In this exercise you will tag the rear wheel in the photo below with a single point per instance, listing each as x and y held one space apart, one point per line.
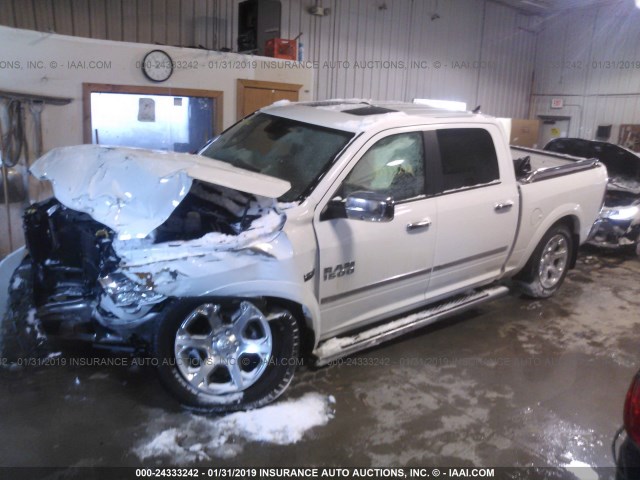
223 356
546 269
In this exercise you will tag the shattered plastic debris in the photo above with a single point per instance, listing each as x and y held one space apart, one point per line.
33 324
17 281
282 423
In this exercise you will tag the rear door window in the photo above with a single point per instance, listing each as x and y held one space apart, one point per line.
468 158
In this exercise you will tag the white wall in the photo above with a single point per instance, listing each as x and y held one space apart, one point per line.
62 125
591 59
469 33
474 51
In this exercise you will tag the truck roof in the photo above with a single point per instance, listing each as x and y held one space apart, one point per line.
358 115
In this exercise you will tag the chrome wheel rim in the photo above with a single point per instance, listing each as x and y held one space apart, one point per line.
553 262
219 355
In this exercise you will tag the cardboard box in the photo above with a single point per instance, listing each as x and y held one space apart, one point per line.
524 133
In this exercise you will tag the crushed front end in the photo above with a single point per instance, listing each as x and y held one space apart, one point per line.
74 272
619 221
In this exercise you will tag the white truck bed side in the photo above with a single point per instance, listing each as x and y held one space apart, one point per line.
545 198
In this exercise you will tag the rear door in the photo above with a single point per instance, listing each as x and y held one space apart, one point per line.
477 209
369 269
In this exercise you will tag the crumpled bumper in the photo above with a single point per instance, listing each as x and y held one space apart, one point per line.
608 233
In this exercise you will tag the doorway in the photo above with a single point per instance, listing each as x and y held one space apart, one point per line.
255 94
552 127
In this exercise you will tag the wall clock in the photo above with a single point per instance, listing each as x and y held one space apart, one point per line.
157 65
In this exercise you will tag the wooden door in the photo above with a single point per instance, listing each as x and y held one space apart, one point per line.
255 94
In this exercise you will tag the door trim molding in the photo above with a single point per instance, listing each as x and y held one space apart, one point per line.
381 283
407 276
472 258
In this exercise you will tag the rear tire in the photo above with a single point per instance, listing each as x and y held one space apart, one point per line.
216 356
546 269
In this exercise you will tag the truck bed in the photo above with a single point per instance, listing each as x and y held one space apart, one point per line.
542 201
545 165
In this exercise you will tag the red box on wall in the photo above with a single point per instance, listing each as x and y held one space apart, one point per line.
281 48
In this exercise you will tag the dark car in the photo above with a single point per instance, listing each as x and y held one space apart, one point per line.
628 456
619 222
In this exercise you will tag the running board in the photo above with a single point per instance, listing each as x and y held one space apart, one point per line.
338 347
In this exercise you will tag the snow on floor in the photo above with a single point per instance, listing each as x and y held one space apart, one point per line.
201 438
582 470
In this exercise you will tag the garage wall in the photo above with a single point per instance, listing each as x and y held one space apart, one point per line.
475 51
465 50
56 65
590 58
60 64
184 23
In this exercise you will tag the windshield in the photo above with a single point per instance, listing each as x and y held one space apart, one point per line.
297 152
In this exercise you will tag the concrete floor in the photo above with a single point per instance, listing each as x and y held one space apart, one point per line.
513 383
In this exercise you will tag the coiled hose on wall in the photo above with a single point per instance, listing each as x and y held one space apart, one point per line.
13 140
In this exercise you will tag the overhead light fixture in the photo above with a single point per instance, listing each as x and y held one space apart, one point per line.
319 11
536 4
444 104
637 3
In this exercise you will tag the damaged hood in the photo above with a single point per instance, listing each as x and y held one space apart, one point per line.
132 190
623 165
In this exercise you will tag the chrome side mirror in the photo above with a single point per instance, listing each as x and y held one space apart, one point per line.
370 207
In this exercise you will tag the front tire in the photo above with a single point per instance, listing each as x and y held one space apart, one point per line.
226 355
548 266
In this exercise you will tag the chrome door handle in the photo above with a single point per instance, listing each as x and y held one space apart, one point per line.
418 225
503 206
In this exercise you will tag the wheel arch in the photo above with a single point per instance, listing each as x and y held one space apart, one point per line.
299 301
301 313
565 215
572 222
530 279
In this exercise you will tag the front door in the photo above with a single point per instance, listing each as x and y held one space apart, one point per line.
368 269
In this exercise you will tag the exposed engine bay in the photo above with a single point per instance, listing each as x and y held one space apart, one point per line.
79 268
207 209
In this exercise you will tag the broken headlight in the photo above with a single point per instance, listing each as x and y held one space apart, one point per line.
624 213
124 292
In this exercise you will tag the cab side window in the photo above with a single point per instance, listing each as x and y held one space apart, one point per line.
468 157
393 166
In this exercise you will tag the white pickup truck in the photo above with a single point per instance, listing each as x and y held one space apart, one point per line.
314 229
